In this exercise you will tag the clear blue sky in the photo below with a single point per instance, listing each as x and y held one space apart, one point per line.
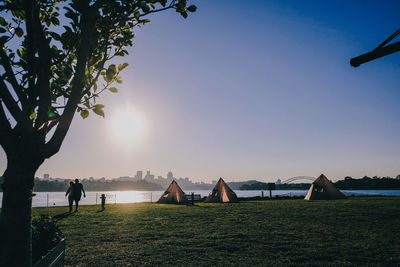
251 89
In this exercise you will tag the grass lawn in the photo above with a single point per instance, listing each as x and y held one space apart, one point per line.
355 231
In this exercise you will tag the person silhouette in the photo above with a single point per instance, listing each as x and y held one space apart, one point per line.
77 190
70 196
103 201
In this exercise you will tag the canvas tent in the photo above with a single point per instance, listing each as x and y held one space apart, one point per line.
221 193
173 195
322 188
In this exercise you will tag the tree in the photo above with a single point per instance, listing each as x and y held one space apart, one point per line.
55 61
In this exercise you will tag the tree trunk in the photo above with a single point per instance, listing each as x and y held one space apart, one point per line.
15 218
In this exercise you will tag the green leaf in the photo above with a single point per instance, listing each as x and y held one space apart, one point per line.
113 90
19 32
110 73
109 76
118 79
84 114
2 30
51 114
3 40
122 66
192 8
98 111
3 21
32 116
184 14
55 36
144 6
113 68
137 14
19 52
99 106
55 21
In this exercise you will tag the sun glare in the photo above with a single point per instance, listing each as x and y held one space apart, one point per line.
128 125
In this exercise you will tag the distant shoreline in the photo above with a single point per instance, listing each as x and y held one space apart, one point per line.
48 199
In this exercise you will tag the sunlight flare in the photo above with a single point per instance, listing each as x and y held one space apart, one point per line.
128 125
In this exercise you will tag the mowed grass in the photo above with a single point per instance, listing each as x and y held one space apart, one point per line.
355 231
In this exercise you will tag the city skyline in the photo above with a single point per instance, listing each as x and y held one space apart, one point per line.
138 176
150 177
272 97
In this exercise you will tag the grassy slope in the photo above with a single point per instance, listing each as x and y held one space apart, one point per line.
356 231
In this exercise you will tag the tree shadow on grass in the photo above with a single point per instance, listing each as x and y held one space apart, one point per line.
201 206
61 216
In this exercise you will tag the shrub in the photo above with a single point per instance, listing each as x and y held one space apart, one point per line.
45 236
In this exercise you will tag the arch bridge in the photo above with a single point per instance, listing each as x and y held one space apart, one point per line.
290 180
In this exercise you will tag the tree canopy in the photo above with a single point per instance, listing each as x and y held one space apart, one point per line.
55 61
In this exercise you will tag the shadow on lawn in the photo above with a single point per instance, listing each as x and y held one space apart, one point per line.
201 206
61 216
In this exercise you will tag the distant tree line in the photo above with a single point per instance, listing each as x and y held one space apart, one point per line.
348 183
264 186
365 183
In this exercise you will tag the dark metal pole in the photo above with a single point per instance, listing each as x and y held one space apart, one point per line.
374 54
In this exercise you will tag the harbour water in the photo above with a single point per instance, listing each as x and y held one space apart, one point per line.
44 199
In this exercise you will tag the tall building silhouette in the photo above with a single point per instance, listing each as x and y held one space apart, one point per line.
139 175
149 177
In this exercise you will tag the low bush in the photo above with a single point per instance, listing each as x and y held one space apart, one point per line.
45 236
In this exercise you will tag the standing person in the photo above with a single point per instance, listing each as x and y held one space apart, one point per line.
103 201
77 190
70 195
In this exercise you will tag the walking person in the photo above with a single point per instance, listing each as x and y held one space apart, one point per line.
70 196
77 190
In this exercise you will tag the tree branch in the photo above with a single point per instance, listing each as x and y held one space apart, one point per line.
5 62
99 72
171 5
51 125
9 102
97 5
42 86
9 6
87 25
30 47
5 130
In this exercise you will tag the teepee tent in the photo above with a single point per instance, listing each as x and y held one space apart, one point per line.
221 193
173 195
322 188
